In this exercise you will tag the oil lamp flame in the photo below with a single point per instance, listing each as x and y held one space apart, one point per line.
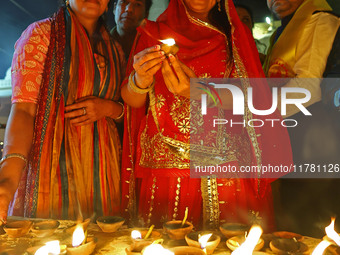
319 250
251 241
203 240
78 236
169 42
135 234
156 249
332 234
52 247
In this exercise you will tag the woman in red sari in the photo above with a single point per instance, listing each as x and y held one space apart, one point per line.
156 178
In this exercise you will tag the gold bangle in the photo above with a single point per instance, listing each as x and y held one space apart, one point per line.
122 114
133 86
13 155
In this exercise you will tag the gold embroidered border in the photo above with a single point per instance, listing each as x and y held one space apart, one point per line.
211 207
178 190
153 190
242 73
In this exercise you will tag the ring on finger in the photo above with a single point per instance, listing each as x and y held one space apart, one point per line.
84 111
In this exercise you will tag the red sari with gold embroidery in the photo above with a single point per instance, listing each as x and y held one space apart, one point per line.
156 178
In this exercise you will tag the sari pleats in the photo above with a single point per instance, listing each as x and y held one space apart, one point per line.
73 170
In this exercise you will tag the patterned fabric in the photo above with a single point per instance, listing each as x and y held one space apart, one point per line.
154 158
28 61
71 169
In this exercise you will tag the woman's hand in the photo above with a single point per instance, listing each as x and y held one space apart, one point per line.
90 109
146 64
177 79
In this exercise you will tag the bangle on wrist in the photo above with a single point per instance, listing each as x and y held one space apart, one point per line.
133 86
13 155
122 114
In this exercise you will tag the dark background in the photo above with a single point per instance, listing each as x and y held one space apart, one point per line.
16 15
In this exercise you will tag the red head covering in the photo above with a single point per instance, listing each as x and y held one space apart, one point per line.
200 47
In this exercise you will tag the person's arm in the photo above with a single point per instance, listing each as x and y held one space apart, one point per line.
312 52
146 64
18 139
27 70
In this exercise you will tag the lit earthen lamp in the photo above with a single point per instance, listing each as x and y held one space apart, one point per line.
251 243
207 242
169 46
331 240
142 238
52 247
156 249
81 245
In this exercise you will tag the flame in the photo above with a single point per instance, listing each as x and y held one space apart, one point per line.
251 241
78 236
332 234
158 249
135 234
321 248
203 240
169 41
52 247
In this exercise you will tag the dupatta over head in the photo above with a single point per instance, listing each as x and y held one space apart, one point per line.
201 46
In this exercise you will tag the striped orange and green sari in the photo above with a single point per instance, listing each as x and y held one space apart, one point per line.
73 168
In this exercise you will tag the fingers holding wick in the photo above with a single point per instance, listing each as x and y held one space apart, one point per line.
169 76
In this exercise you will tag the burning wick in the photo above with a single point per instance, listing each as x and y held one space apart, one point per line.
52 247
135 234
78 236
156 249
332 234
319 250
169 46
169 42
203 241
251 241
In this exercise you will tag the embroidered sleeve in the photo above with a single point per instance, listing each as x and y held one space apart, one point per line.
28 62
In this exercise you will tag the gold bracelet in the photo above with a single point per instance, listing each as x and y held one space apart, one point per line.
13 155
133 86
122 114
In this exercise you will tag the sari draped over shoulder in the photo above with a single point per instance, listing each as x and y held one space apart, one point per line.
155 172
73 168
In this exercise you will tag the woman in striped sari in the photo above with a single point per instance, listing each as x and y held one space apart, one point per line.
62 149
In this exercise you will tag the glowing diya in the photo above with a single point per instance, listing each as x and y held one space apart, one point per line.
169 46
196 239
81 244
52 247
70 230
142 238
242 245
